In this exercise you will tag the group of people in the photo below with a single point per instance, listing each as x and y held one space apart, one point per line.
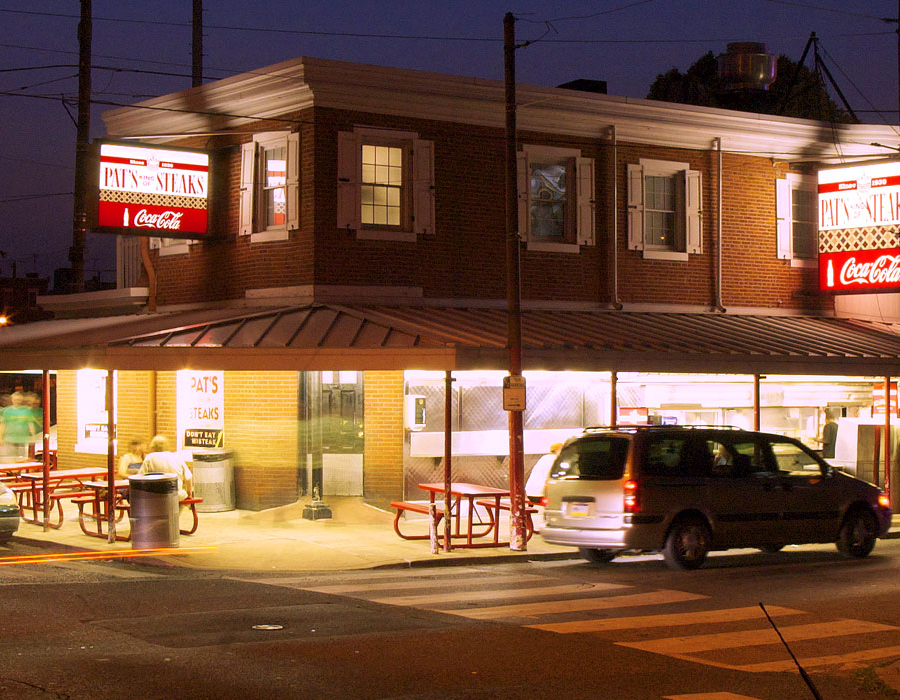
154 458
21 423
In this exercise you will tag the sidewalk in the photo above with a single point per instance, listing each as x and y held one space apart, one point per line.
357 537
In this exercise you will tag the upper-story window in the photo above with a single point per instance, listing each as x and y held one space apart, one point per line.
556 198
664 209
385 184
797 220
270 192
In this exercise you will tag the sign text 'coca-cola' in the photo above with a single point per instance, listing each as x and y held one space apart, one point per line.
860 270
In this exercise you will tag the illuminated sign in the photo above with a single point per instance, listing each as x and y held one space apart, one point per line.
152 191
200 398
859 224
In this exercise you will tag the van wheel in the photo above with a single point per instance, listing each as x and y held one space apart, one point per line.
598 556
687 544
771 548
858 534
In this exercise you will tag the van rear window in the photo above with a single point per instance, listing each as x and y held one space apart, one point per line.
596 458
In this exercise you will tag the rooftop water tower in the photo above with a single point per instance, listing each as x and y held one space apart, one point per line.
745 65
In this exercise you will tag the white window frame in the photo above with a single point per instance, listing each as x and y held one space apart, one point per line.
581 190
689 200
252 186
417 196
784 204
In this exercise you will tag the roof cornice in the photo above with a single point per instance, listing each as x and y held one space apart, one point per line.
285 88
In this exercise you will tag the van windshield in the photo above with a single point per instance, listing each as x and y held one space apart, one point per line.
595 458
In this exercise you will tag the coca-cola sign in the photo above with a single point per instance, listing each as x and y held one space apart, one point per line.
860 270
151 190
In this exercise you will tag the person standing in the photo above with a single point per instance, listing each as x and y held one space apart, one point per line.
161 459
829 436
17 426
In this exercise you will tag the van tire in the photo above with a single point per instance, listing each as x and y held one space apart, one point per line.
598 556
687 544
858 533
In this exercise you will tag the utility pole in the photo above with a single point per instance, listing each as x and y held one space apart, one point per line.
197 45
513 299
82 144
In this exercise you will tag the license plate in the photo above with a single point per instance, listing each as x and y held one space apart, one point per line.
578 510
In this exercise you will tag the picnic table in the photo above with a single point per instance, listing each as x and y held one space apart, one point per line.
71 481
97 502
467 501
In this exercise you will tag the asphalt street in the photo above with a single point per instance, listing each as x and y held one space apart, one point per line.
632 629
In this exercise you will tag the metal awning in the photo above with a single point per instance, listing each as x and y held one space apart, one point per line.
333 336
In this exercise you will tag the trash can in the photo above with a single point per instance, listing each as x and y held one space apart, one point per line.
154 510
214 480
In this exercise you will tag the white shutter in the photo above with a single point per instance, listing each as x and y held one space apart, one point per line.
635 207
584 173
292 188
248 187
423 186
783 219
522 179
693 214
348 202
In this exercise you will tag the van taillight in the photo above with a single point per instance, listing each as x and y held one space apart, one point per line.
631 503
543 501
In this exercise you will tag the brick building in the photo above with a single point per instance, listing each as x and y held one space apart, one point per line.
356 255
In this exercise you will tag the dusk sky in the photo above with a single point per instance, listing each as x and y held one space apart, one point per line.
625 42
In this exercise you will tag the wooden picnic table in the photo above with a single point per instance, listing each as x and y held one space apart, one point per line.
491 499
97 501
72 479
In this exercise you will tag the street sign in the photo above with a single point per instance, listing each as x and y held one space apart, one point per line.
514 393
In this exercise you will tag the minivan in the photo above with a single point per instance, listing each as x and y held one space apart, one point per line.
687 490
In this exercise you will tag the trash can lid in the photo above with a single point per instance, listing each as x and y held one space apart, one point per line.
212 455
154 482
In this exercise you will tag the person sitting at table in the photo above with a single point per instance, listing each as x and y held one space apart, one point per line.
161 459
130 462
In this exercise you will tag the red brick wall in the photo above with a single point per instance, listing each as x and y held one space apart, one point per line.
465 257
383 451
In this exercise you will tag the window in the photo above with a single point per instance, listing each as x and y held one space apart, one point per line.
664 209
797 220
270 178
556 198
385 184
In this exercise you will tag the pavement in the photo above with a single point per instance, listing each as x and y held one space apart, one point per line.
358 536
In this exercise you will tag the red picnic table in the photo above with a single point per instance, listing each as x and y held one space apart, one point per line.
70 479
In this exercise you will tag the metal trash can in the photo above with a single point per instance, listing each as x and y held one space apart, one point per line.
154 510
214 480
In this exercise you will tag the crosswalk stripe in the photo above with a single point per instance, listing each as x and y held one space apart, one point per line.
470 596
668 620
681 646
709 696
660 597
810 662
419 583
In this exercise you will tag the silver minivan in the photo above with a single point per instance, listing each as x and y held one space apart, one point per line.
687 490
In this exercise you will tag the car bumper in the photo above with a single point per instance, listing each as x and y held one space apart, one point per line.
593 539
9 523
884 516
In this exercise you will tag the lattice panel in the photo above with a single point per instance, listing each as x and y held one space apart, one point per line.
157 200
867 238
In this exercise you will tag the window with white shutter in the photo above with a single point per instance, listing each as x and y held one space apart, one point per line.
385 184
665 209
796 220
269 197
555 198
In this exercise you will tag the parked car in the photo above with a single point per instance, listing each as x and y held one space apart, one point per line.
9 514
688 490
535 484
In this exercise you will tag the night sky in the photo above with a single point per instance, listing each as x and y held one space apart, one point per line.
625 42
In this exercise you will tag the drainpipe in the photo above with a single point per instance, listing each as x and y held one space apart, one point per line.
614 252
151 274
718 303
